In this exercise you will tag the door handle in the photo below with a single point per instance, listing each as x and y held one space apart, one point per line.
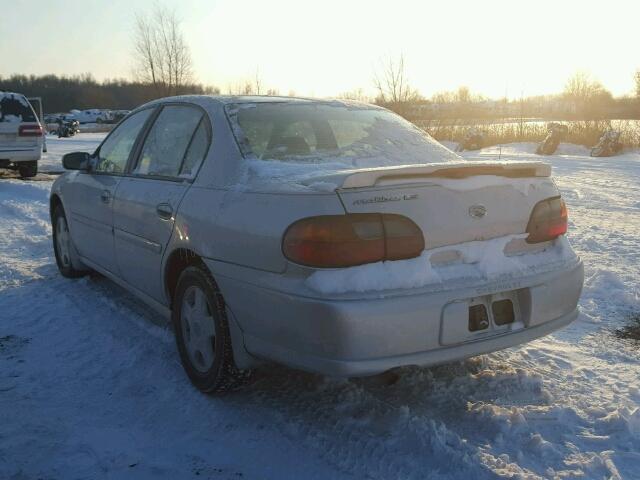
105 196
164 211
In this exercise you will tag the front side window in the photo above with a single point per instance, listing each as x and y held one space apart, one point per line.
168 141
331 133
114 152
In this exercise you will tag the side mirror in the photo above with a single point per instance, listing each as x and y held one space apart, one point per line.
76 161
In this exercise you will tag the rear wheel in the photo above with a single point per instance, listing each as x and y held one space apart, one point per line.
63 247
28 169
202 333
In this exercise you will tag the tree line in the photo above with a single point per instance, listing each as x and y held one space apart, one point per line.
63 93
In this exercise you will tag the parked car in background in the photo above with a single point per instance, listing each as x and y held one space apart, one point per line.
118 115
86 116
21 136
329 236
51 118
67 128
53 122
105 116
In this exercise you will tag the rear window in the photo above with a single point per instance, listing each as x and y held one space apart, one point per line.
330 132
15 108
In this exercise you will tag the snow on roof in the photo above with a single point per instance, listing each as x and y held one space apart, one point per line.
15 96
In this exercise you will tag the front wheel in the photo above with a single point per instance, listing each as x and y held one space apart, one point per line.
63 247
28 169
202 333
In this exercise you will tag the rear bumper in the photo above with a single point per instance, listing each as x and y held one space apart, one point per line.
27 154
359 337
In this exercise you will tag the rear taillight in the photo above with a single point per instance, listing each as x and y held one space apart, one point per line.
548 220
30 131
334 241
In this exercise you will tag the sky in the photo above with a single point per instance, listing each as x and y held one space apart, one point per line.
326 47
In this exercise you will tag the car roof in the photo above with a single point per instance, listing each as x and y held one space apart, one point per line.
253 99
6 93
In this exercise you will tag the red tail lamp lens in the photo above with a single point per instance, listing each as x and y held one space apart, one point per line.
334 241
30 131
548 220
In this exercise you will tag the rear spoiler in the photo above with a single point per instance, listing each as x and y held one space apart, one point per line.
454 170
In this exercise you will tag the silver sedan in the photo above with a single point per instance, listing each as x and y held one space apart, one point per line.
329 236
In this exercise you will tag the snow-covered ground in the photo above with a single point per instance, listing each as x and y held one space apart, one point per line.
91 385
57 147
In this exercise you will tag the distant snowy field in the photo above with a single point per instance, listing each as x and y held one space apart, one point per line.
91 386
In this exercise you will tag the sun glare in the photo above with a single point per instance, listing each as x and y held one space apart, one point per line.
496 48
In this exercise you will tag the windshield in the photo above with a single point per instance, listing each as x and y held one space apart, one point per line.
336 133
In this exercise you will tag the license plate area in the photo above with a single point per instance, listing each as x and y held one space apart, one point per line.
478 317
503 312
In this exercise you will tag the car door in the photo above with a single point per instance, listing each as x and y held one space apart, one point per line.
147 200
89 197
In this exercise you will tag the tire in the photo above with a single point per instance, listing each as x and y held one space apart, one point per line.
28 169
65 251
202 333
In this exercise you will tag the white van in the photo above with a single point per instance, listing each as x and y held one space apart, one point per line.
21 136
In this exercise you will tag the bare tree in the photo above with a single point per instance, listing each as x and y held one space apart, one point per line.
588 96
161 54
462 95
636 79
357 94
392 83
582 87
249 86
257 82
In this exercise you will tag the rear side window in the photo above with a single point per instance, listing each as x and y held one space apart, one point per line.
196 151
15 108
168 141
115 151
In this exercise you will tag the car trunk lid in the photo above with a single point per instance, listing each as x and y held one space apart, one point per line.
454 202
